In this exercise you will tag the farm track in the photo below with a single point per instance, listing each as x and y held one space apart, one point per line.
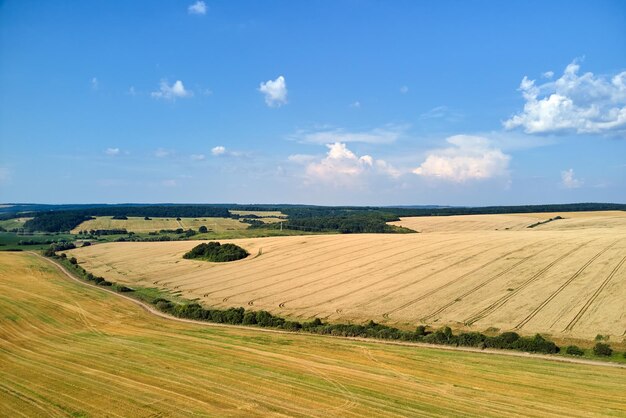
500 302
162 315
453 281
480 286
593 297
563 286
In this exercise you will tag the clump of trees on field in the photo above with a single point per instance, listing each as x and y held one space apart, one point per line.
214 251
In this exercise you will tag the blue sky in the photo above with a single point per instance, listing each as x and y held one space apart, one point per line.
318 102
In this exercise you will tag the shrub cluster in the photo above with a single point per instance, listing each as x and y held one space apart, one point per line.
214 251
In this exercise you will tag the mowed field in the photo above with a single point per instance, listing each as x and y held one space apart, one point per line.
71 350
139 224
566 278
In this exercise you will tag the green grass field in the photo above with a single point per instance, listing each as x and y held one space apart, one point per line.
13 223
70 350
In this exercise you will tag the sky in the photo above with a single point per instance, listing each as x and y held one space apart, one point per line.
313 102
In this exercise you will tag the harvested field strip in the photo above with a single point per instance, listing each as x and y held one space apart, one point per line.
254 273
393 250
326 267
128 363
593 297
352 279
480 286
454 281
563 286
428 276
497 304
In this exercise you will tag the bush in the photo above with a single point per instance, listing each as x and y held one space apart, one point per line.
203 229
573 350
249 318
214 251
73 260
601 349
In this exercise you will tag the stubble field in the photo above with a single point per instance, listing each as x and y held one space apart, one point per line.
566 278
71 350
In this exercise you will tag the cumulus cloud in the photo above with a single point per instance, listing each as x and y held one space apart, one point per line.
94 83
112 151
197 157
583 104
198 8
173 92
469 158
342 166
569 180
219 150
384 135
275 92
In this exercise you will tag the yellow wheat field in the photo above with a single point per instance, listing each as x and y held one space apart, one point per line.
139 224
67 349
566 278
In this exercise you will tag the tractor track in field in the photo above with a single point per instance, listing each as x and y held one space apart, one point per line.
162 315
282 304
390 247
429 275
365 274
280 273
593 297
453 281
562 287
500 302
480 286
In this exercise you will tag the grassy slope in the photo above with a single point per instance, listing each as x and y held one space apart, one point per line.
68 349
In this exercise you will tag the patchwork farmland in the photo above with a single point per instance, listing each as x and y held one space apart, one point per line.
67 349
566 277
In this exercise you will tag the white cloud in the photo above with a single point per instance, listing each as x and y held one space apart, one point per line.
275 92
548 74
94 83
442 112
162 153
469 158
197 157
342 167
132 91
583 104
569 180
356 104
112 151
404 89
198 8
173 92
384 135
219 150
301 158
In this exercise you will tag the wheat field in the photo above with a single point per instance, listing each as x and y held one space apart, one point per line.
565 278
67 349
139 224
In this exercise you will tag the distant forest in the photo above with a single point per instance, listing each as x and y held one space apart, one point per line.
343 219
